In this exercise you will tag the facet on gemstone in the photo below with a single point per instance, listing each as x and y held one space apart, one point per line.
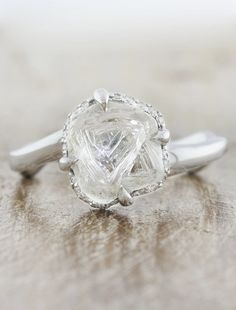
113 149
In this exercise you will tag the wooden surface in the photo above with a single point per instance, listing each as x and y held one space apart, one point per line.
174 249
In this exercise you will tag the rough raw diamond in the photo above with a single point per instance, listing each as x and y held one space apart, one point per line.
114 148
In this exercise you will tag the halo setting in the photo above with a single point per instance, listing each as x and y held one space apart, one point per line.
115 148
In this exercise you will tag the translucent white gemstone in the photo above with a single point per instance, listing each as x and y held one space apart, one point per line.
113 148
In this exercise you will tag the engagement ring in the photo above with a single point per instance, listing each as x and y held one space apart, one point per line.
115 148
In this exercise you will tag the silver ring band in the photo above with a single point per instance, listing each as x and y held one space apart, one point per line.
187 154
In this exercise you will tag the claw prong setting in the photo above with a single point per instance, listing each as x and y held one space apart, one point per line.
65 163
101 95
164 136
124 197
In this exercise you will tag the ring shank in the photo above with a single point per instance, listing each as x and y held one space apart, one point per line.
195 151
29 159
186 155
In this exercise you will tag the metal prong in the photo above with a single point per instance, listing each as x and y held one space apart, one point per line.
65 163
124 197
102 97
163 136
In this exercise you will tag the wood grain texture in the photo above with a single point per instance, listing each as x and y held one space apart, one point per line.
174 249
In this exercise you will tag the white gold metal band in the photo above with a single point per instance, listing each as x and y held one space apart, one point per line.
186 155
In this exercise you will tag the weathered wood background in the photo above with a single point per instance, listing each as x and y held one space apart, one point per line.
174 249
